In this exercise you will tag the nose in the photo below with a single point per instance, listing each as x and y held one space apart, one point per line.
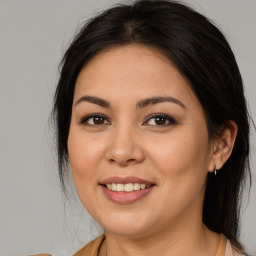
124 148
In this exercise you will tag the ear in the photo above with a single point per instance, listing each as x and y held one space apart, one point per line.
222 146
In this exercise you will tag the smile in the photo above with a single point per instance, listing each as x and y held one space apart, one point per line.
129 187
126 190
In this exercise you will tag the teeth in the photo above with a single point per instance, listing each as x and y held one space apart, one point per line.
136 186
109 186
129 187
142 186
119 187
113 187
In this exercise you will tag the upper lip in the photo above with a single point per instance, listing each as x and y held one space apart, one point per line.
125 180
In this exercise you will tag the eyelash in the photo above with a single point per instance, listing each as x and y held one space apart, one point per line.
86 118
168 118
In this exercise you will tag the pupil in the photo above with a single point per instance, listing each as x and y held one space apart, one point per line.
98 120
160 120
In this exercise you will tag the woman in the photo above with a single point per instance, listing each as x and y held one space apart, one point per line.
151 115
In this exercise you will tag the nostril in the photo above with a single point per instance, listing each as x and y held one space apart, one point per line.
130 160
122 161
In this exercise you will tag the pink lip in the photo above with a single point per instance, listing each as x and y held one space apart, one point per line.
125 180
126 197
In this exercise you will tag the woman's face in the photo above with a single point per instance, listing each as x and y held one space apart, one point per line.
136 121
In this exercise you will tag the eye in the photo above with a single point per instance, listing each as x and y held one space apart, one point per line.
160 120
95 120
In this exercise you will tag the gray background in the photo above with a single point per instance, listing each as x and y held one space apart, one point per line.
34 216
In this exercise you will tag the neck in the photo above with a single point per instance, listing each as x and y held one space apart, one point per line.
191 238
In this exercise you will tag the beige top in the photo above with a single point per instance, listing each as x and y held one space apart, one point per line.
92 248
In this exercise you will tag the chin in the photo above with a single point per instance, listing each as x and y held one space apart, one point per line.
126 224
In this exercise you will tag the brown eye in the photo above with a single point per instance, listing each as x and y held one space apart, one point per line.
160 120
95 120
98 120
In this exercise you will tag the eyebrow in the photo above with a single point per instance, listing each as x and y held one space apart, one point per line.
139 105
94 100
154 100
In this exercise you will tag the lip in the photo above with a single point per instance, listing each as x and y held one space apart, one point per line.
125 180
126 197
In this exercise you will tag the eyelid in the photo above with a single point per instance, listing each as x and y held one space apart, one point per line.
171 120
85 118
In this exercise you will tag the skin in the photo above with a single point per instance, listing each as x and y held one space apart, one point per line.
176 156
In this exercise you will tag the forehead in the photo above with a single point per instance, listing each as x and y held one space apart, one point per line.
132 71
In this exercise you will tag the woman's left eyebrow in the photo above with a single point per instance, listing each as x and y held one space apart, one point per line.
154 100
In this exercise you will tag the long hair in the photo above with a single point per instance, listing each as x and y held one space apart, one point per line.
203 56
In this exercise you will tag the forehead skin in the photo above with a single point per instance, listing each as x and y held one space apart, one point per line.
117 63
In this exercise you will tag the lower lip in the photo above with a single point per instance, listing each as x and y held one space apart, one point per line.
126 197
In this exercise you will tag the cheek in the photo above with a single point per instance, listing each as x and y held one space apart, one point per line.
85 152
182 167
85 156
182 158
